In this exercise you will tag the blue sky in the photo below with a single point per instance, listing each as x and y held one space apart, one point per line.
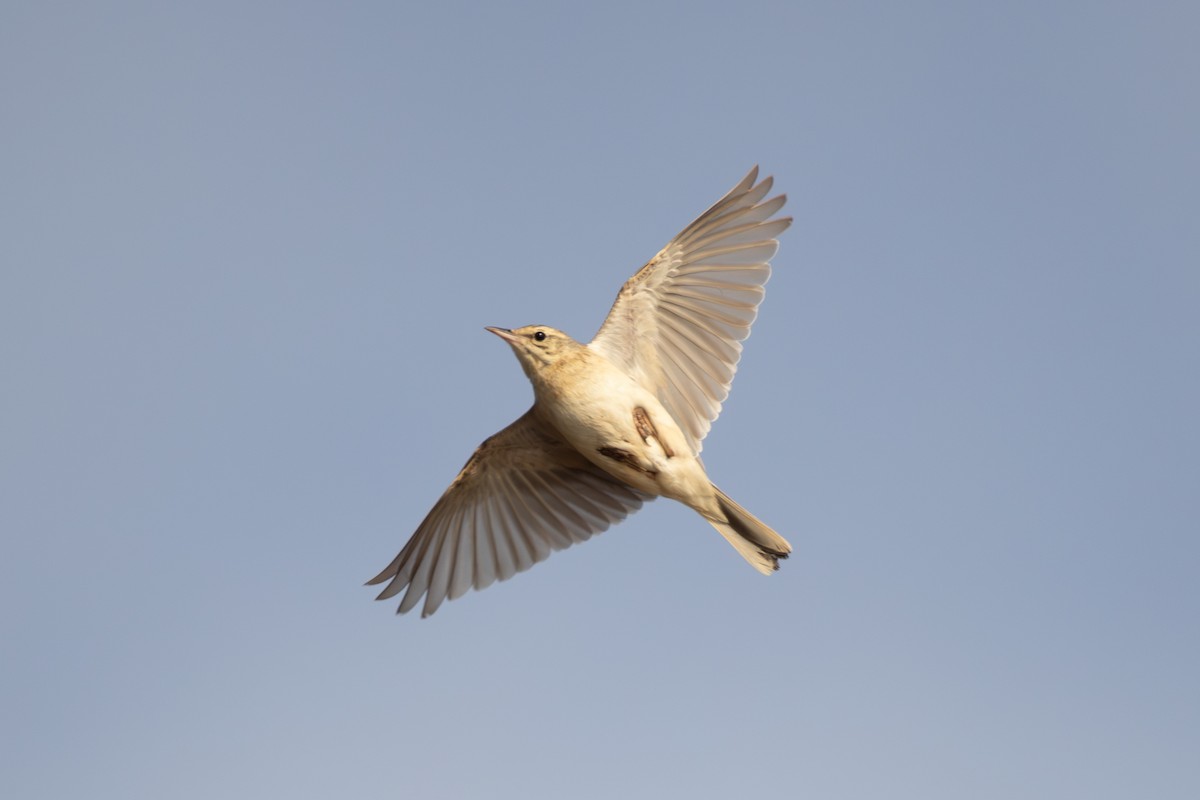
246 255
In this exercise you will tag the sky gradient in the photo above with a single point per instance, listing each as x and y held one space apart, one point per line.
247 252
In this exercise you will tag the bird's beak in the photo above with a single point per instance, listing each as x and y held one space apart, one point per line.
503 333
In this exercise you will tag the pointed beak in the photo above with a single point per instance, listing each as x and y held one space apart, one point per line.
503 333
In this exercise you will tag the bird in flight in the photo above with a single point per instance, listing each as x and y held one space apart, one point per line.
615 422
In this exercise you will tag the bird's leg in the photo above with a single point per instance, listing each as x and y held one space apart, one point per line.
628 459
647 431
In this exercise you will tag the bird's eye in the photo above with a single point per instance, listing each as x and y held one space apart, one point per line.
539 336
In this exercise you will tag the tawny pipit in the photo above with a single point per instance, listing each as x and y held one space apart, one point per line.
614 423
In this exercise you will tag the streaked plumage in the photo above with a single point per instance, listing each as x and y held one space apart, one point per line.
615 422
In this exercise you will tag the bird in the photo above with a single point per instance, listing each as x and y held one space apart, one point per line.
615 422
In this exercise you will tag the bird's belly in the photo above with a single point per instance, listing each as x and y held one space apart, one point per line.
623 429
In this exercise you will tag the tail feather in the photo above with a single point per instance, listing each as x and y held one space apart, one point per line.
750 536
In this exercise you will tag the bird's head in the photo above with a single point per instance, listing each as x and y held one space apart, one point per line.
538 346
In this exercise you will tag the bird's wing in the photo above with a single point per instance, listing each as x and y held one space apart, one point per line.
523 493
678 324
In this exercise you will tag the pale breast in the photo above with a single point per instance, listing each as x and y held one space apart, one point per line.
615 423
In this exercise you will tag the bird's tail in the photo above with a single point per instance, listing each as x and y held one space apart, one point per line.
757 543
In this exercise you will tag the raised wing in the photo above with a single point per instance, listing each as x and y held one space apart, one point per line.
678 324
523 494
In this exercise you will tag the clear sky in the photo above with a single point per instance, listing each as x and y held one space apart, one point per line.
247 252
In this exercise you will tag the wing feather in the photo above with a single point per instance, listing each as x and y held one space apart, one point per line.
501 539
464 561
523 494
486 564
678 324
